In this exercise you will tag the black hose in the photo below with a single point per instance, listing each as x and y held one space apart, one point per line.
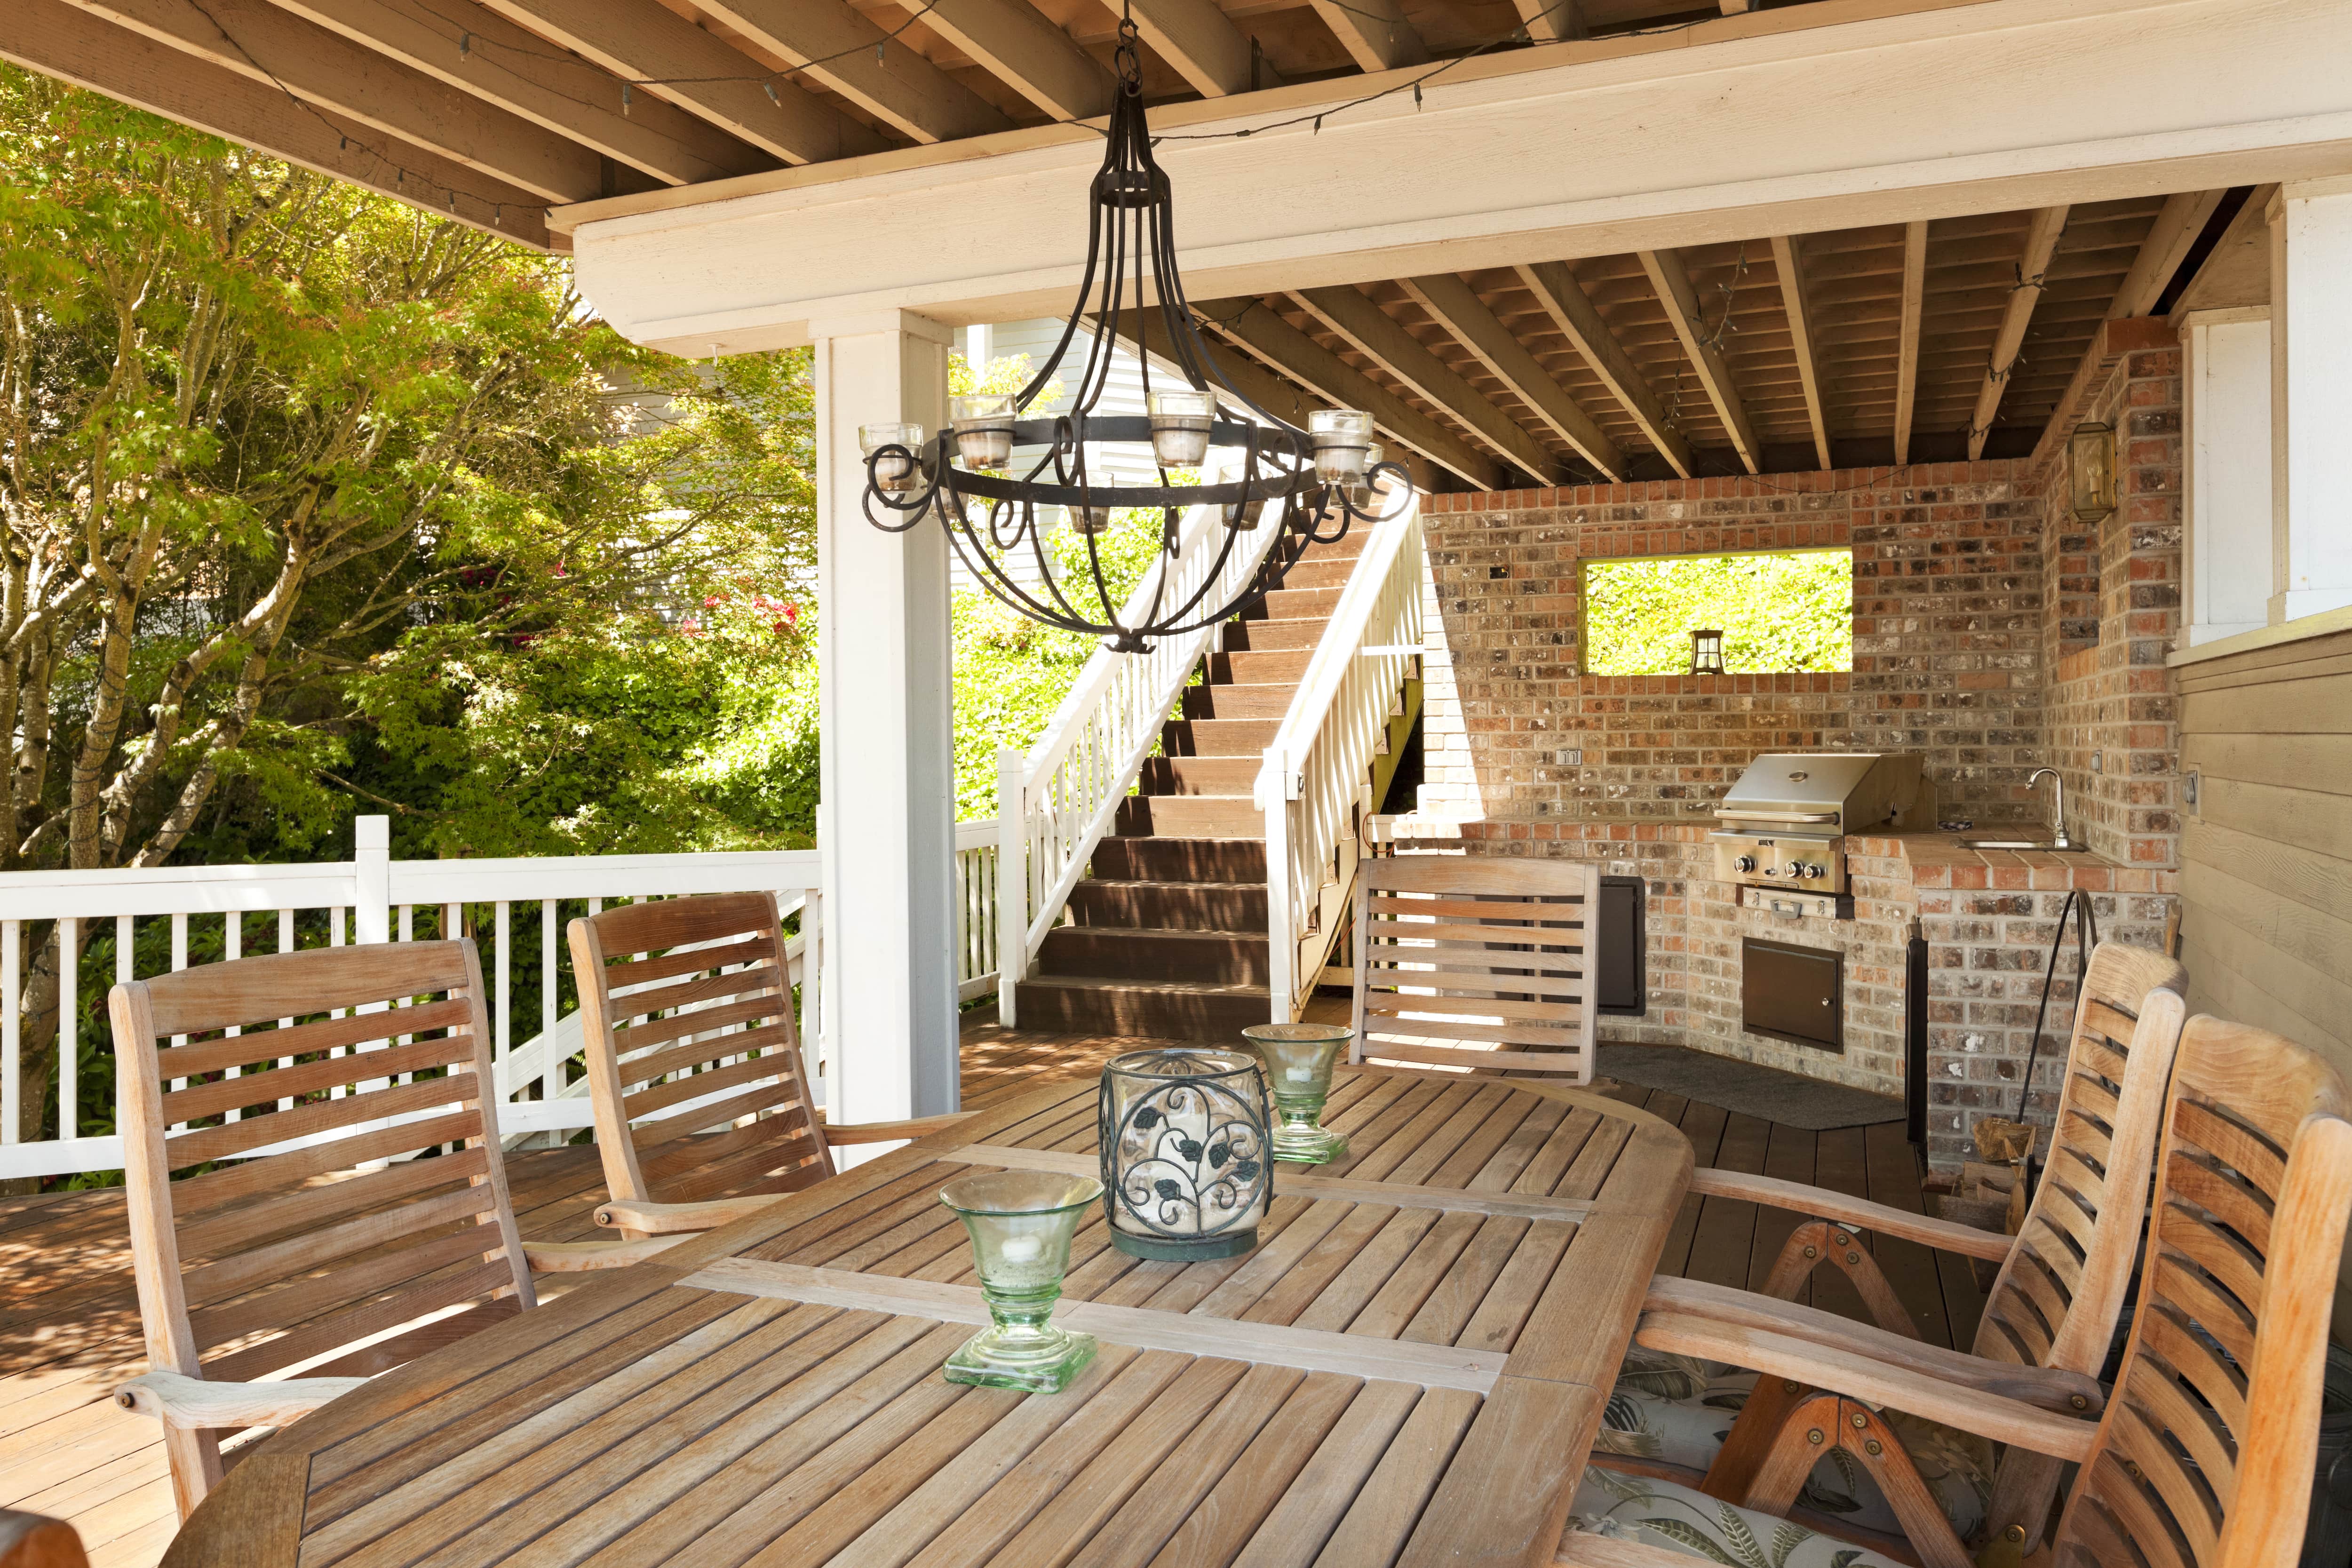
2086 937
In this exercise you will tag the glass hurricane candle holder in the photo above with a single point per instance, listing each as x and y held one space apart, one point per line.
1182 1131
1343 444
1021 1222
983 423
1298 1060
1180 427
1089 519
895 472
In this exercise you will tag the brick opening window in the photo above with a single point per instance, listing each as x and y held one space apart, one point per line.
1778 610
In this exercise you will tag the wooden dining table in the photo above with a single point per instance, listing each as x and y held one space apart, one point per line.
1409 1368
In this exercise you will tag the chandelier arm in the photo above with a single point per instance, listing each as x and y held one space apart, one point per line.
1176 316
998 582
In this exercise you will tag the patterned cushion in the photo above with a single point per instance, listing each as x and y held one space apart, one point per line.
1679 1409
1685 1519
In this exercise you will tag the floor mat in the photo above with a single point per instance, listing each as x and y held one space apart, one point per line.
1744 1087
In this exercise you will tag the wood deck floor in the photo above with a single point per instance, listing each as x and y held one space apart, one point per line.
69 1318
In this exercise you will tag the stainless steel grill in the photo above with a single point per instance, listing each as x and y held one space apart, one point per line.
1783 824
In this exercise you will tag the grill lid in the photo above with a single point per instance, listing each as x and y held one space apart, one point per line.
1837 792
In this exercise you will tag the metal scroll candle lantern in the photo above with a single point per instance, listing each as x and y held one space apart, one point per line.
1185 1166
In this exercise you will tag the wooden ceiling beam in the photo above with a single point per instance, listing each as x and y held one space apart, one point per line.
1375 33
1786 263
2032 267
701 74
2178 224
1202 42
503 64
1672 281
1378 335
54 38
897 86
1558 291
1252 325
279 50
1015 43
1456 307
1551 21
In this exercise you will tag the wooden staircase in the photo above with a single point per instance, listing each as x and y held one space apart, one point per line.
1166 935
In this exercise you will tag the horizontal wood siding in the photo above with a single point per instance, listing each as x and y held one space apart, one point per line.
2266 853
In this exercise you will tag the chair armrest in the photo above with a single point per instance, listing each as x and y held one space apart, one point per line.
1861 1378
890 1132
192 1403
580 1257
1579 1549
666 1219
2066 1393
1817 1203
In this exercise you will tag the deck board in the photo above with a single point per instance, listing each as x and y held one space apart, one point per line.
69 1320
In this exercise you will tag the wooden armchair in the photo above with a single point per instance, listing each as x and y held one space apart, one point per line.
2205 1456
1477 962
2047 1323
346 1205
703 1110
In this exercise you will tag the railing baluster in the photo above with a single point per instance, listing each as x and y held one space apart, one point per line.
178 962
284 944
12 1077
549 1076
502 1032
68 1027
233 948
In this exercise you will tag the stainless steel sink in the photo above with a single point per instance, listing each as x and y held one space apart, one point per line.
2022 844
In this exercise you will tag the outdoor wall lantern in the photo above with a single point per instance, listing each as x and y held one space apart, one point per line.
1186 1170
1707 652
2091 469
1316 482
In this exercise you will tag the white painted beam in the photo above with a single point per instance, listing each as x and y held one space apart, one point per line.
1779 129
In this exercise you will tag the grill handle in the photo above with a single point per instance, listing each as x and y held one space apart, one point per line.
1778 816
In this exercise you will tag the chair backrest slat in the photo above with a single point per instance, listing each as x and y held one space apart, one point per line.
1477 961
693 1050
2058 1297
2206 1452
352 1205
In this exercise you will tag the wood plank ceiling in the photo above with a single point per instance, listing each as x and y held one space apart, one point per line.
1785 352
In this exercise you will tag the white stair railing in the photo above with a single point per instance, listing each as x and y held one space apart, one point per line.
1056 804
1316 782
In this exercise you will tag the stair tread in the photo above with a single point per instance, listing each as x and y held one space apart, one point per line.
1181 987
1154 933
1169 882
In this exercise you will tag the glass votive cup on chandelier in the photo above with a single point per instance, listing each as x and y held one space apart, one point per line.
1298 1061
894 473
1021 1222
1182 1132
1180 427
983 423
1343 444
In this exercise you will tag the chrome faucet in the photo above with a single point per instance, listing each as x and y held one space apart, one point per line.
2060 841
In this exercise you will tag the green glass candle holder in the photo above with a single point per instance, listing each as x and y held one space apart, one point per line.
1021 1222
1298 1060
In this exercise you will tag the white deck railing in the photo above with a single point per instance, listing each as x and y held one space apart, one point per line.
1054 804
1315 784
375 897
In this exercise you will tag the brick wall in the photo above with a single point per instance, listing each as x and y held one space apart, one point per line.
2113 733
1949 587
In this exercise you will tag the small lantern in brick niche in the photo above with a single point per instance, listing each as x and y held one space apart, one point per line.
1707 652
1186 1171
2091 471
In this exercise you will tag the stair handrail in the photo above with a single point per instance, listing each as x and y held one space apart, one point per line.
1054 804
1312 783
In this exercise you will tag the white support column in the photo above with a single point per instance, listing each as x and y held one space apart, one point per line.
2226 376
887 816
2311 345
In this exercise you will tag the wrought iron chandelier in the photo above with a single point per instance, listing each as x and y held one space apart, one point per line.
1311 484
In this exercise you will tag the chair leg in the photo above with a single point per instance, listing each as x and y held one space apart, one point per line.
1818 1241
195 1463
2023 1491
1760 1424
1816 1423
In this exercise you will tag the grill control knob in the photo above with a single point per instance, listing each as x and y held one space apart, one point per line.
1745 865
1814 870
